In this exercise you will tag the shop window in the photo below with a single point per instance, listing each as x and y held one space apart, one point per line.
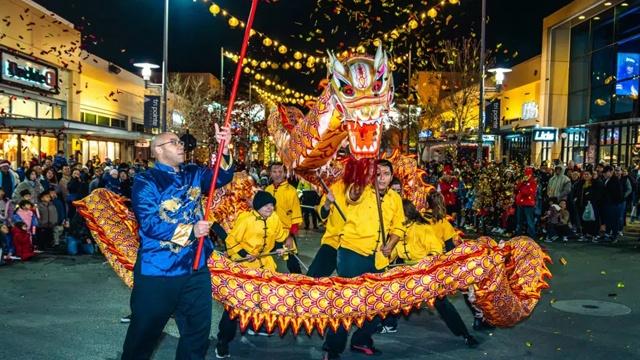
89 118
580 40
104 120
117 123
45 111
600 102
602 30
4 105
58 112
578 74
578 107
137 127
627 20
23 107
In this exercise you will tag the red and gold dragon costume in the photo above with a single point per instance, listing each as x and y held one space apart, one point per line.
506 278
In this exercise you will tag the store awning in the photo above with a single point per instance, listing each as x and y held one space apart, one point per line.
73 127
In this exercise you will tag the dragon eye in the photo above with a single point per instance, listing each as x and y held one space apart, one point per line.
377 86
348 90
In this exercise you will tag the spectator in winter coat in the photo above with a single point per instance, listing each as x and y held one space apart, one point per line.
61 210
448 186
589 193
9 179
59 160
112 182
98 179
613 197
21 239
47 222
559 185
6 208
79 239
526 202
78 189
30 183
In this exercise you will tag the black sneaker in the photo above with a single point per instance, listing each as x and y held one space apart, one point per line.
366 350
222 352
125 319
479 324
471 341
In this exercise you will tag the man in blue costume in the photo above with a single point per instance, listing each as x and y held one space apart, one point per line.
167 202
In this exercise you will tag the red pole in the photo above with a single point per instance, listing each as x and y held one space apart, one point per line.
227 120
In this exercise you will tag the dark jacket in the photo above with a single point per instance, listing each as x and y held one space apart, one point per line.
613 194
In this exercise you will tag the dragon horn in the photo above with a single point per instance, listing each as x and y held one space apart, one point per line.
380 59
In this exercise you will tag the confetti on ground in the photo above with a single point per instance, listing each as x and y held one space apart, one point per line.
529 344
563 261
620 284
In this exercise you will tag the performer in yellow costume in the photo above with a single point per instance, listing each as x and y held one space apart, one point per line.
254 235
325 261
288 210
418 243
365 248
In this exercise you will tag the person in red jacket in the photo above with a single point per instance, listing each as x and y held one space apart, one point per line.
22 241
526 191
448 186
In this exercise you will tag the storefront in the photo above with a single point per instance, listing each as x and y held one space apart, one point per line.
546 137
619 144
574 145
516 146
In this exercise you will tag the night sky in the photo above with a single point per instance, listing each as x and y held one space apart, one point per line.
128 31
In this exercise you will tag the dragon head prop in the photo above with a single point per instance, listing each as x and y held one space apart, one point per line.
362 88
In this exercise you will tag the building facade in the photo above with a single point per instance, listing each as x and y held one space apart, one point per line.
591 67
55 96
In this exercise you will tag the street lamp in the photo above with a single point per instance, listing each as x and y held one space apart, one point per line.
499 76
146 69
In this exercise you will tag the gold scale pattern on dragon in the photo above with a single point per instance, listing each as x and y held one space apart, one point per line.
507 279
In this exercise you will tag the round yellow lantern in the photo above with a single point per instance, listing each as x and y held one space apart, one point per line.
233 22
432 13
413 24
214 9
267 42
297 55
282 49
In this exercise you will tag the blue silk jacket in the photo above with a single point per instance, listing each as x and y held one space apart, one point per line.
167 204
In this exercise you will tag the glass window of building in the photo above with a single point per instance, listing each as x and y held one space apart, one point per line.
4 104
45 110
104 120
23 107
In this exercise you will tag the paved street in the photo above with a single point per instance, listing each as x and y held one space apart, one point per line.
61 307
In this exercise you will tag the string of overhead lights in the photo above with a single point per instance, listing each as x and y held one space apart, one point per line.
272 99
413 23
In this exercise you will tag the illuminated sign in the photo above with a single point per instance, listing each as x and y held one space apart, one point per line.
545 134
529 110
488 138
24 72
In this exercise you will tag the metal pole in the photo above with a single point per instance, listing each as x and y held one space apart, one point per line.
165 64
221 74
482 59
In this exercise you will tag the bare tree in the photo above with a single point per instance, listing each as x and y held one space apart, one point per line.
458 61
193 97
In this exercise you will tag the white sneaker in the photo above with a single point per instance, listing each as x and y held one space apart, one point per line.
565 239
251 332
222 356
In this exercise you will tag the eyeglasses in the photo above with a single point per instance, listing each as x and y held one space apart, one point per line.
174 142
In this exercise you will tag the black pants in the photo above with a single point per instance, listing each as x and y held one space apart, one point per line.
44 238
324 263
447 312
293 265
352 264
310 213
227 329
154 299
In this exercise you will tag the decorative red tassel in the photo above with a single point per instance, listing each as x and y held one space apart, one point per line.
361 172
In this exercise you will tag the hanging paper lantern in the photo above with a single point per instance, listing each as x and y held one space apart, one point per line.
288 91
282 49
233 22
246 70
268 82
258 77
285 66
297 55
254 63
267 42
297 65
377 42
274 66
413 24
432 13
453 2
214 9
263 64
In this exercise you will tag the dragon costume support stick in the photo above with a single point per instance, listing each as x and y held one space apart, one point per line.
326 189
227 120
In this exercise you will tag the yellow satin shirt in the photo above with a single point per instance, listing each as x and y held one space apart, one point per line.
418 242
287 204
361 233
334 221
256 236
